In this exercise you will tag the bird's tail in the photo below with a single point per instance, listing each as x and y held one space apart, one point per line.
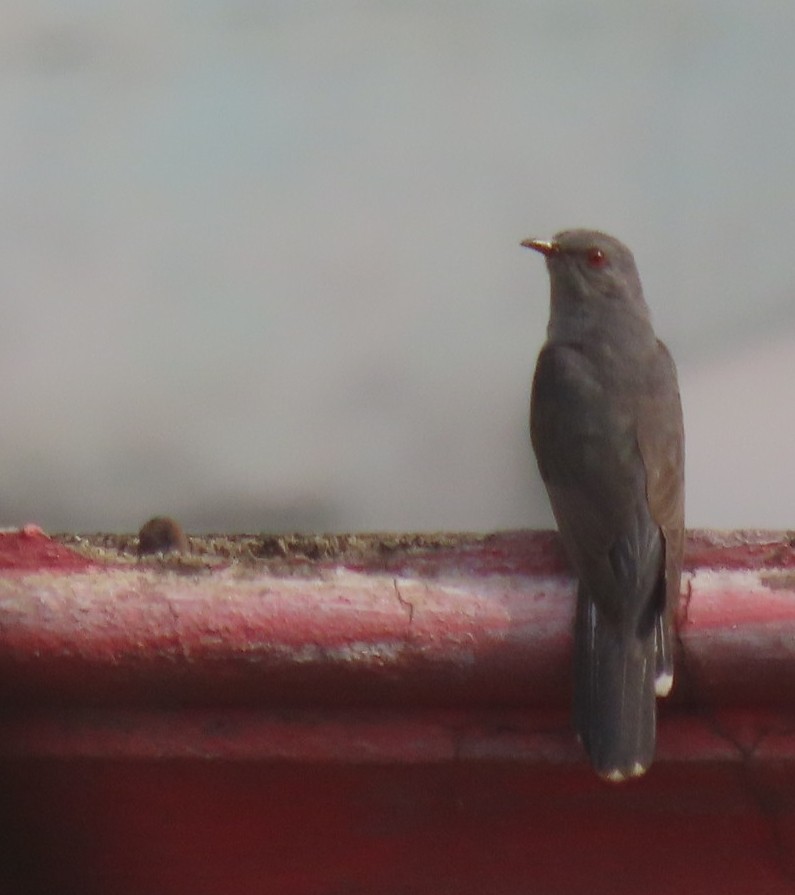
664 676
614 692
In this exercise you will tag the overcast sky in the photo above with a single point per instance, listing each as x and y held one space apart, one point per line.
260 264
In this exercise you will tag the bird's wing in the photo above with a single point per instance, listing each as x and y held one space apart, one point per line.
661 441
587 452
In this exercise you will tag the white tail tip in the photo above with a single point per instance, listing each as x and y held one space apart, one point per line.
663 684
618 776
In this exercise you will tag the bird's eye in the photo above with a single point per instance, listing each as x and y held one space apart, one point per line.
596 257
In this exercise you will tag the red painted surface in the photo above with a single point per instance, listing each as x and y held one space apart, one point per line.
29 549
400 726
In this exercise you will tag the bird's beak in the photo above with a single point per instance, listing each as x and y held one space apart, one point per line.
547 248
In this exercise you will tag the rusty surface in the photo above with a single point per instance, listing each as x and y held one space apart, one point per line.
377 714
412 620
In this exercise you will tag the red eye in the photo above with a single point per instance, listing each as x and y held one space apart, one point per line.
596 257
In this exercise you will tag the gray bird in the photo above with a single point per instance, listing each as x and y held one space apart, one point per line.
606 427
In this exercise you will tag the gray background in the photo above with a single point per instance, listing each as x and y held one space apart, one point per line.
259 262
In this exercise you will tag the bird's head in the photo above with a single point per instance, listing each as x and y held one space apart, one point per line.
593 280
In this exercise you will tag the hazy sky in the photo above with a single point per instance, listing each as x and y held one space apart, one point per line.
260 262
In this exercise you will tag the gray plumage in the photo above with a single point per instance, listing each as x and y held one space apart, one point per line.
606 428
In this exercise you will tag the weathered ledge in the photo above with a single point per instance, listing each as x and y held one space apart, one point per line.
460 630
377 714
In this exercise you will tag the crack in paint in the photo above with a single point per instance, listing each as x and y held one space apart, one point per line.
406 604
182 646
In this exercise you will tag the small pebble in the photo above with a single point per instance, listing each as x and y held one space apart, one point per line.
161 534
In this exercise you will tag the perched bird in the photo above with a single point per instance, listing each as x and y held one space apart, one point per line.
606 428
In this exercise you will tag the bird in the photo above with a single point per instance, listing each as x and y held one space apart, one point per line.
607 431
